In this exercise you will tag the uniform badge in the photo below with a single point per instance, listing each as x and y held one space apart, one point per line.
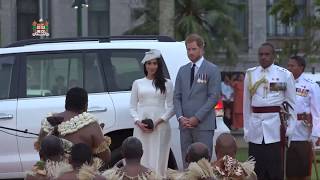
302 92
278 86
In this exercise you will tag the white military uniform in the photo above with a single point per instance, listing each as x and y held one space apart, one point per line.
307 101
259 126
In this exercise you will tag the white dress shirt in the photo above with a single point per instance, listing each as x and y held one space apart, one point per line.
259 126
198 64
308 101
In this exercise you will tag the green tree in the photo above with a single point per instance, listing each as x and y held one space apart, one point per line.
209 18
150 13
286 11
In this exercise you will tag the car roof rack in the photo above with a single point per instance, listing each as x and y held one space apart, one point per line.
101 39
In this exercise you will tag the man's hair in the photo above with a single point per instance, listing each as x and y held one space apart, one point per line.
300 61
196 152
226 145
270 45
195 38
80 154
76 99
51 146
132 148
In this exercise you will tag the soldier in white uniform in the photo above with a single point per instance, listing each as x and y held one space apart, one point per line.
299 155
266 87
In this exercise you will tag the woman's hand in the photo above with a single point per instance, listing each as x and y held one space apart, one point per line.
143 127
159 121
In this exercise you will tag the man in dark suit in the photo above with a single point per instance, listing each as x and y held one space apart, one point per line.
197 91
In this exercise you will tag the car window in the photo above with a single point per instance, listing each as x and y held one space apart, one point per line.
6 69
123 66
54 74
93 81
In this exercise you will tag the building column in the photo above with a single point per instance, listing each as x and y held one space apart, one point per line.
63 19
8 22
257 26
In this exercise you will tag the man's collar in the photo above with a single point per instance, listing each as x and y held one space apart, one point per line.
299 78
266 69
199 62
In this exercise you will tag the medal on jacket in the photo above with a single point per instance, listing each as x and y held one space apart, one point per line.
202 78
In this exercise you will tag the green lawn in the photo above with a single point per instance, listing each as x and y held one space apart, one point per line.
242 155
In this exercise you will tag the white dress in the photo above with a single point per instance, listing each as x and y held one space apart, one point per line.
146 102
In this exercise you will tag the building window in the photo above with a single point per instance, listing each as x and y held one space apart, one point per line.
27 12
276 28
98 18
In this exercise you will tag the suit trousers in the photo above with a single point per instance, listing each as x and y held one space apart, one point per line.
192 135
269 160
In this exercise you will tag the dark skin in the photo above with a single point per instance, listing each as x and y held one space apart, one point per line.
266 56
296 71
133 167
225 145
92 137
74 174
198 148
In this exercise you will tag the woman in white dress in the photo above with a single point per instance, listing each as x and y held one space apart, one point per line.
152 98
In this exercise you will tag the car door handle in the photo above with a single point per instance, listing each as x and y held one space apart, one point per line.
4 116
97 109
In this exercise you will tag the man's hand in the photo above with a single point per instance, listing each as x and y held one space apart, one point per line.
184 122
143 127
193 122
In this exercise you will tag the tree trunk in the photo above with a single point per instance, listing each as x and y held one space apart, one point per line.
166 17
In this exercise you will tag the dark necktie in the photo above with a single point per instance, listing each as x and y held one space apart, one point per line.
192 74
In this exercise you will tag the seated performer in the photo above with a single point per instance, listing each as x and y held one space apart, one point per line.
226 165
132 170
84 166
75 125
199 166
53 162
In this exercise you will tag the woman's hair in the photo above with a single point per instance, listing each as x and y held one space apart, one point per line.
76 99
159 79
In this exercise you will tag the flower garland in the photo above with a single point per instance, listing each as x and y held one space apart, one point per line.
70 126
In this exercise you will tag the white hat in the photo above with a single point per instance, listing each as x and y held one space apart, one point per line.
152 54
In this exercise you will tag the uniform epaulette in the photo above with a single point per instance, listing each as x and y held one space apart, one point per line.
282 69
309 80
251 69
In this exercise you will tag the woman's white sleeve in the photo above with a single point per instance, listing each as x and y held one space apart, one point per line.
134 102
169 101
